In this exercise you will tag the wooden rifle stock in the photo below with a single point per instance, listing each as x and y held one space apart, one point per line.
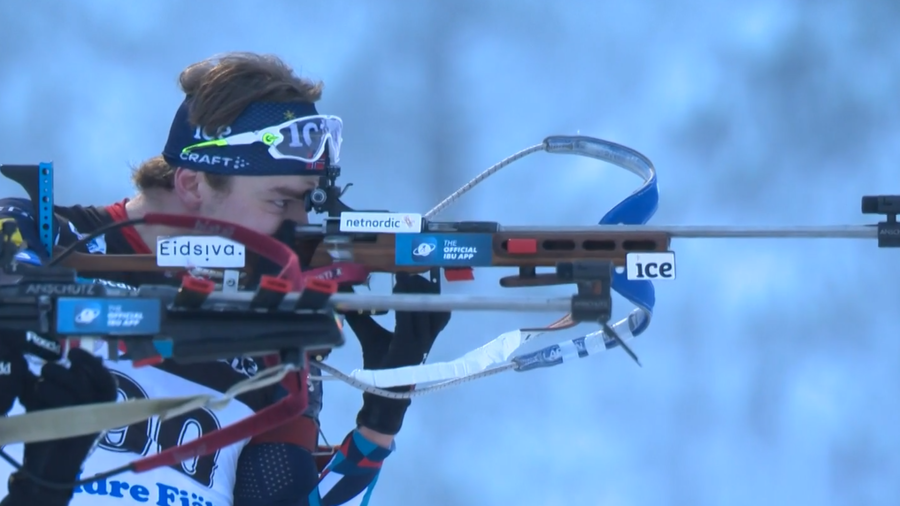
376 253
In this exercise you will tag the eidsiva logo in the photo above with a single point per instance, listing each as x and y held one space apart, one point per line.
200 251
382 223
423 248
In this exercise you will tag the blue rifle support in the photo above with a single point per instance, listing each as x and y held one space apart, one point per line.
45 206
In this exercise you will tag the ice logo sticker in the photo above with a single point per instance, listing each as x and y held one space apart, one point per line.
651 266
424 248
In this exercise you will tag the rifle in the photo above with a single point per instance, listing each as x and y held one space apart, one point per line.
346 248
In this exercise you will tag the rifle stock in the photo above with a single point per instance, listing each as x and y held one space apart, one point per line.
377 253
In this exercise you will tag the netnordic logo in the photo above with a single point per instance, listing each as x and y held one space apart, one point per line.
424 248
385 223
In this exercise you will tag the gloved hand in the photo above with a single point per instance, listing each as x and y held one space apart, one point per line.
414 335
13 374
84 381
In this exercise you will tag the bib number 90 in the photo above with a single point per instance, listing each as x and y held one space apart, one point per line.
650 266
154 436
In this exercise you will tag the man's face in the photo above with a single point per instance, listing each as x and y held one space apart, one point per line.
260 203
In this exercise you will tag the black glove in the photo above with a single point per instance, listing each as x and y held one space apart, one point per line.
85 381
414 335
13 374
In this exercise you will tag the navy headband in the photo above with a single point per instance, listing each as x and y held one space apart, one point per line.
247 160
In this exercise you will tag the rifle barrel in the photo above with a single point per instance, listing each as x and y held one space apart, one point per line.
425 302
699 231
410 302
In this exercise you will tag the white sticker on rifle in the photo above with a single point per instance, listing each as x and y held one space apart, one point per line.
650 266
199 251
382 223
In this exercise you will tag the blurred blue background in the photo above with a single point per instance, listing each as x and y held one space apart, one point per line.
771 368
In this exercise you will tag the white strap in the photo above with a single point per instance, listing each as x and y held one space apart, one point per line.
498 353
90 418
480 359
86 419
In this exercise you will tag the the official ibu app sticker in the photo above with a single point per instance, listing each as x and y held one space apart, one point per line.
200 251
108 316
469 250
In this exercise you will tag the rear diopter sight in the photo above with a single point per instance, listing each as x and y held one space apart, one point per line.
888 205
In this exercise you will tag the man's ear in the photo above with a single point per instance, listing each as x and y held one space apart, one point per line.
187 187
